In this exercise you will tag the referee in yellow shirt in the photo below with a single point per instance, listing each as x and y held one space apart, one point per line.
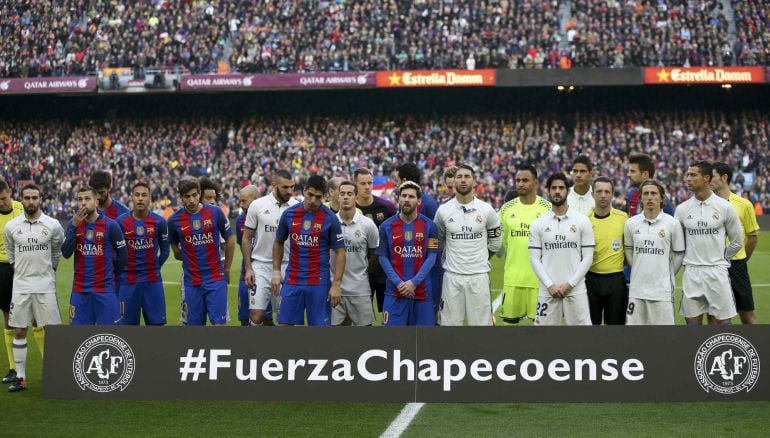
738 270
605 281
9 209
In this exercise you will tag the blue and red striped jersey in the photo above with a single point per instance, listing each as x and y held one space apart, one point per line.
115 210
198 235
407 247
311 236
147 247
100 254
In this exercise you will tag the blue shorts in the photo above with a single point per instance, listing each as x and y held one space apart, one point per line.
100 308
436 277
296 299
208 298
403 311
147 298
243 303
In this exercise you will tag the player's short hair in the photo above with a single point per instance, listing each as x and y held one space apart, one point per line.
4 186
30 186
334 183
604 179
583 159
281 173
409 172
100 179
187 184
644 162
528 167
316 182
558 176
141 184
347 182
450 172
82 189
722 169
361 171
656 183
410 185
207 183
466 167
704 168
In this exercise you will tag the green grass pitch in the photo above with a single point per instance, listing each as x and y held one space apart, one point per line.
26 414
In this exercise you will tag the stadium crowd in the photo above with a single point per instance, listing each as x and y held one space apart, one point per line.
69 37
60 156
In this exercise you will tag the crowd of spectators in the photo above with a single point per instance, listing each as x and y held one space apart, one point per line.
61 155
619 33
74 37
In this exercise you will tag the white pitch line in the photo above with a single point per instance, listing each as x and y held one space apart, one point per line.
399 425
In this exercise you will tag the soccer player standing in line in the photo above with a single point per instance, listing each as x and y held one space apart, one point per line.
408 249
246 196
707 220
141 286
9 209
605 281
194 232
449 183
516 217
469 231
654 248
641 168
33 246
312 230
378 210
738 270
257 245
580 197
561 247
361 239
101 181
100 255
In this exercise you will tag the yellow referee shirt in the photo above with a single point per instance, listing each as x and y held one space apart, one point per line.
16 211
608 234
748 218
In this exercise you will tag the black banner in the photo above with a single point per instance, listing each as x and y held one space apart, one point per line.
573 76
428 364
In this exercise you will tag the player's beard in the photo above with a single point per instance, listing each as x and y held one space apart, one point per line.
463 191
558 203
31 210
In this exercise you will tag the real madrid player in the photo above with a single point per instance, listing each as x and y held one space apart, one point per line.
654 248
469 231
738 270
246 196
516 217
580 196
605 281
257 244
33 245
708 221
361 240
561 248
9 210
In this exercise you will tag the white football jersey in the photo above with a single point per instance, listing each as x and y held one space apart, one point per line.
360 235
262 217
653 243
34 248
707 225
468 232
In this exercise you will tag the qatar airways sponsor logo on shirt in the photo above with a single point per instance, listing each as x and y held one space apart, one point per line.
200 239
91 249
305 240
140 244
408 251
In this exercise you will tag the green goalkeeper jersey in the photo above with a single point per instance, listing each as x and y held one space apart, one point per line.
516 219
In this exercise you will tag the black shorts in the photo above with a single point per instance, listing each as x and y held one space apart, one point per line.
741 284
6 286
607 298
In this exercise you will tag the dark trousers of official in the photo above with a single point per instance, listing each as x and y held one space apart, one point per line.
608 297
378 290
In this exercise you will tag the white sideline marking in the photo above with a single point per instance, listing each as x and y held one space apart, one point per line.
399 425
497 303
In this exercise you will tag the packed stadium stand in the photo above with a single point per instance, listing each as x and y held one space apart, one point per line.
76 37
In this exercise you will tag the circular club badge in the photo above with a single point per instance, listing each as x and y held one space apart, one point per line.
727 363
103 363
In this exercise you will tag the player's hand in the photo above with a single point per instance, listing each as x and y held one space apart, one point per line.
79 216
275 285
407 289
335 295
555 291
565 289
250 278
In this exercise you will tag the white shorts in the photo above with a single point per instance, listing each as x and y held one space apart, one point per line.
707 290
358 310
41 308
262 293
465 296
570 310
649 312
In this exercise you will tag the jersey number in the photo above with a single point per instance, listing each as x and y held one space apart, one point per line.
630 310
541 308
